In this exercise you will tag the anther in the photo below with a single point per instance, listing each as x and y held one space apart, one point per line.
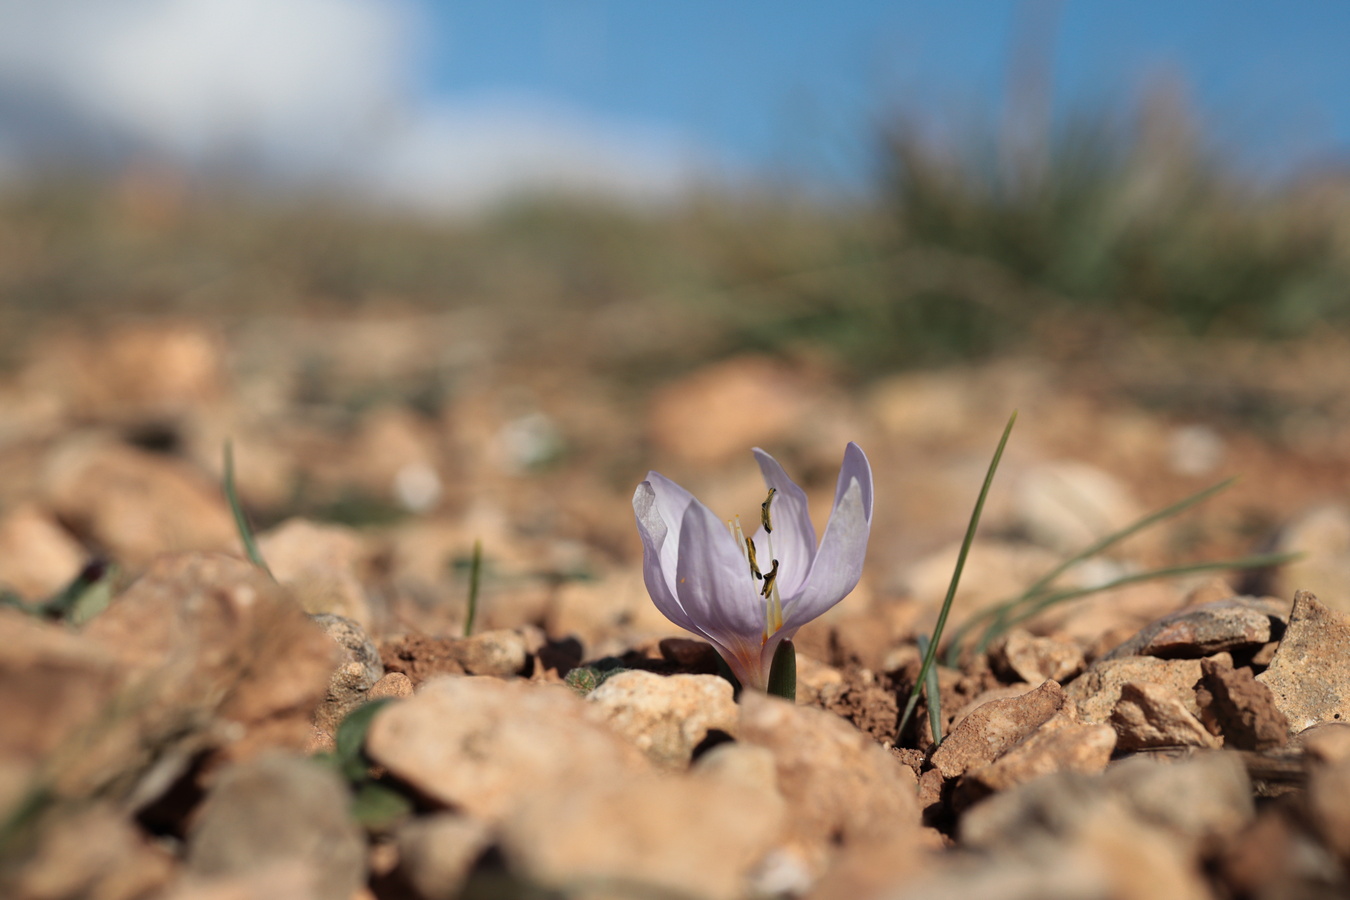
764 512
750 554
769 580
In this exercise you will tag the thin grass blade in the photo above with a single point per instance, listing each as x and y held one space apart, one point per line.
240 521
930 655
1040 586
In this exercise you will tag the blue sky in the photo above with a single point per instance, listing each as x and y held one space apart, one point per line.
761 81
451 102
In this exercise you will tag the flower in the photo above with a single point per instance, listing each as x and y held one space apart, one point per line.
746 596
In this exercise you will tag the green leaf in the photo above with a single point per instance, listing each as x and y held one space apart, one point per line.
783 672
378 807
351 738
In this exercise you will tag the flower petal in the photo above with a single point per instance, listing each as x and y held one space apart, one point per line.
838 564
713 583
671 502
657 543
793 540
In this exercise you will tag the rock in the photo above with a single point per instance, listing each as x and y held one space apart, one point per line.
141 373
1051 807
210 635
1328 786
502 653
1203 799
135 504
1321 535
1243 709
357 672
702 418
1068 748
1082 830
1149 716
319 563
94 853
484 745
620 830
993 728
292 880
37 556
436 852
839 784
1097 690
1277 857
592 611
1108 856
1328 743
816 682
1035 660
53 684
665 717
1068 505
1310 674
279 809
393 685
1237 623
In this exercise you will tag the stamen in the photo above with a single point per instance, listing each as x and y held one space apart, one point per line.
770 580
773 606
764 512
750 555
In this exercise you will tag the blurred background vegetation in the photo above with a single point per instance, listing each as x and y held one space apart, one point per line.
1107 228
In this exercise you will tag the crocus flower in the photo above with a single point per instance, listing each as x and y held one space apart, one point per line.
746 595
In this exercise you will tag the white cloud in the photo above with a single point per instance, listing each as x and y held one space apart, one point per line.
310 89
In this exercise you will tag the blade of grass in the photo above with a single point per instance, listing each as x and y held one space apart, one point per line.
1247 562
240 521
930 655
1103 544
475 576
933 695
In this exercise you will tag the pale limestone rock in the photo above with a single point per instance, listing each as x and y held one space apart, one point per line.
392 685
1068 748
838 782
665 717
1322 536
683 834
37 556
1036 659
1097 690
279 809
137 504
436 852
484 745
1310 674
990 730
359 668
320 563
1148 716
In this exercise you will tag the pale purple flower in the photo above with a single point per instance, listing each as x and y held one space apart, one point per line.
748 595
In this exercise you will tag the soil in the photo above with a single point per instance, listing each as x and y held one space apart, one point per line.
146 711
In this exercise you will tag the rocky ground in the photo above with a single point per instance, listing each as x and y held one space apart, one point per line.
175 728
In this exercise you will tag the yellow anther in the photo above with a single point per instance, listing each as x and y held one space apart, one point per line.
769 580
764 512
750 555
